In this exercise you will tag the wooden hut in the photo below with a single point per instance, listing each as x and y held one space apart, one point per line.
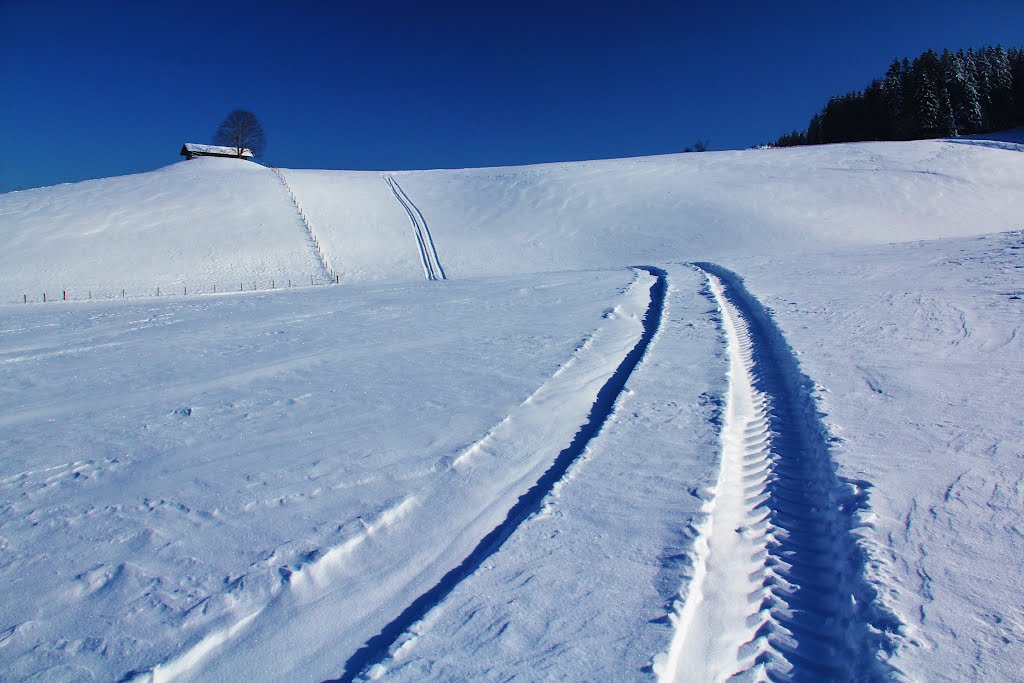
191 150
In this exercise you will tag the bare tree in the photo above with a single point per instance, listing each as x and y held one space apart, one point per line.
700 146
241 130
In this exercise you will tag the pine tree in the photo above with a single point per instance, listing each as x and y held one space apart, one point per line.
813 136
1001 94
893 90
983 72
878 125
947 123
1001 75
1017 68
963 93
928 114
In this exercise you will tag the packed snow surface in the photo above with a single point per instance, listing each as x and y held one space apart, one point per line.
672 418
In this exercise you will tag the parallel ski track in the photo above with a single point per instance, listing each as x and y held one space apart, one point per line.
376 649
424 240
779 591
328 270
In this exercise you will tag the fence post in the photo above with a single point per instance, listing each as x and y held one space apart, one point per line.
311 280
272 285
122 293
24 298
90 295
186 290
65 295
44 297
215 289
158 291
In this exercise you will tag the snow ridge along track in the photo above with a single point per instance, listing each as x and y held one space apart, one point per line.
424 241
329 272
778 591
377 649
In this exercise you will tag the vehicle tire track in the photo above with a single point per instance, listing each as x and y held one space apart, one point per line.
779 590
376 649
432 269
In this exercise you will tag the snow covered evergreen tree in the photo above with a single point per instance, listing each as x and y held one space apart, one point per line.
893 89
929 110
1016 58
1001 95
963 92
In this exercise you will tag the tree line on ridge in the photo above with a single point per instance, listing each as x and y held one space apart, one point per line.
955 93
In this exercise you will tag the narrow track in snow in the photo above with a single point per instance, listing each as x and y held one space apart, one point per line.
377 649
432 269
778 590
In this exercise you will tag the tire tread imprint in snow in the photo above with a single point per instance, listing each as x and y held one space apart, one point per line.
376 649
811 614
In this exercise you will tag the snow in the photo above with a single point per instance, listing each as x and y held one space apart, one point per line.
199 224
362 227
924 394
544 428
713 205
216 457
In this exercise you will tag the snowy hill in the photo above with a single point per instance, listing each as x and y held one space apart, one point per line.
201 223
214 222
713 205
670 418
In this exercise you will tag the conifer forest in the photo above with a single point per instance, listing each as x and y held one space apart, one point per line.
955 93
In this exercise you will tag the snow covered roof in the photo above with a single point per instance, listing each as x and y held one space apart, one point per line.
193 148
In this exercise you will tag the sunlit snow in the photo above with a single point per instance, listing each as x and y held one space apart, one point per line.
659 418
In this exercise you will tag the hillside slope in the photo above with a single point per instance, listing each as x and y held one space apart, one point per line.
716 205
521 470
218 222
200 223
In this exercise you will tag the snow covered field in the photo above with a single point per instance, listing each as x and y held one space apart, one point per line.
202 224
223 223
677 417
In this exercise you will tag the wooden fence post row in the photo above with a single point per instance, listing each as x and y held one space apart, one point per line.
334 276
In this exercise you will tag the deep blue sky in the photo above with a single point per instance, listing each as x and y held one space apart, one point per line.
92 89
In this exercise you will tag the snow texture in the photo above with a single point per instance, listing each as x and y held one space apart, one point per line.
750 414
199 224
